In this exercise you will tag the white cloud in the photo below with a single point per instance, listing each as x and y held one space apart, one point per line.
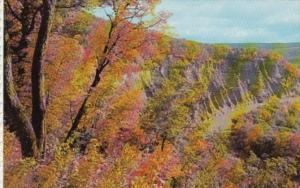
235 21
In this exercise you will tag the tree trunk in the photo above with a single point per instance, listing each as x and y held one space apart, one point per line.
13 108
102 63
82 108
37 77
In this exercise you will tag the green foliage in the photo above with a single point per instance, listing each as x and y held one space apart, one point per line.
194 143
272 104
258 85
296 60
267 67
162 97
193 49
220 51
280 48
273 172
236 67
79 24
291 116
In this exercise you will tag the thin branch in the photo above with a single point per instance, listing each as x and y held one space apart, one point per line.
32 24
12 11
71 112
109 16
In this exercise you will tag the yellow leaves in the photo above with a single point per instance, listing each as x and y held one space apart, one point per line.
193 50
129 154
220 51
281 138
93 3
140 182
10 141
114 177
274 56
259 84
79 23
287 83
16 176
247 54
265 115
296 105
237 172
163 47
254 134
144 79
48 175
272 104
87 165
195 147
125 100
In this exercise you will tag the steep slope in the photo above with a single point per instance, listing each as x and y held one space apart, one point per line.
217 77
190 115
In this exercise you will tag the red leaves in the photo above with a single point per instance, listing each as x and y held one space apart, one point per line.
293 144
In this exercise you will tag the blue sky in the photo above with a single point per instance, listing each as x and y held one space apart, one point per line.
234 21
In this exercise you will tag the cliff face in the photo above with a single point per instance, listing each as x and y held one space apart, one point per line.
191 115
236 74
224 97
216 77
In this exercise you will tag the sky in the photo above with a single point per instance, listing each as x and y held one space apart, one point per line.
235 21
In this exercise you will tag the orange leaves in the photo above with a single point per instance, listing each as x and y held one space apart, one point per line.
160 165
230 185
122 114
292 69
254 133
230 169
97 36
62 55
198 146
202 145
125 31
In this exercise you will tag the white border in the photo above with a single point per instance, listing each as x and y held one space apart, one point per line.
1 89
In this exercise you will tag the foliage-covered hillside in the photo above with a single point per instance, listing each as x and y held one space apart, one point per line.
166 112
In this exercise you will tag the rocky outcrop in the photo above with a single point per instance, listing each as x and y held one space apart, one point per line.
240 75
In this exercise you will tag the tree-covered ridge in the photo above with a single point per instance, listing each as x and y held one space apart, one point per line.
162 112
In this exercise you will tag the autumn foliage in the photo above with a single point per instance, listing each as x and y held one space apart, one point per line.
123 104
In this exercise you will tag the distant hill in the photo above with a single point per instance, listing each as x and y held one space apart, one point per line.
291 51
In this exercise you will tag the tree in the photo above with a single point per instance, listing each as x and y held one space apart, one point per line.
13 107
23 20
127 24
31 22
